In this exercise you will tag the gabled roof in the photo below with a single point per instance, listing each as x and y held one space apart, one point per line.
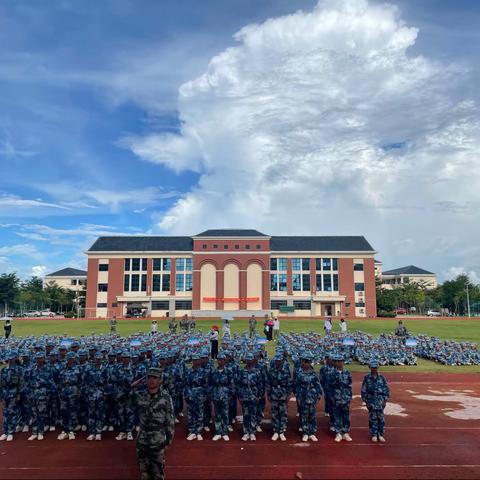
68 272
320 244
142 244
410 270
231 232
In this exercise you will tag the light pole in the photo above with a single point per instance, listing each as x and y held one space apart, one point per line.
468 302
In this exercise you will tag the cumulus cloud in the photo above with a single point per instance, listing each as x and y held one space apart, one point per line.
323 122
39 270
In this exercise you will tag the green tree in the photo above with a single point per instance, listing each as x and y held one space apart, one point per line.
9 288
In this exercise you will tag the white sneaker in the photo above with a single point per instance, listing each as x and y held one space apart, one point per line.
52 428
216 438
62 436
110 428
77 428
199 437
374 439
347 437
181 414
3 437
192 436
90 438
25 429
121 436
45 428
129 436
245 437
9 438
104 429
259 428
32 437
98 437
326 414
71 436
305 438
381 439
253 437
18 428
207 429
283 438
300 429
84 428
275 437
230 429
313 438
40 436
338 437
226 438
177 420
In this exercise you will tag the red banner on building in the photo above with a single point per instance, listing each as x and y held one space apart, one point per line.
231 299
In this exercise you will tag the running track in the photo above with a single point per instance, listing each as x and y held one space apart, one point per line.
422 442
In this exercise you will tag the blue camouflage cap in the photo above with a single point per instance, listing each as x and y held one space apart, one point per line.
11 355
249 357
71 356
221 356
40 355
373 363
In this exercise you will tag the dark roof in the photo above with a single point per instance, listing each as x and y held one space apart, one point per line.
68 272
231 232
410 270
142 244
320 244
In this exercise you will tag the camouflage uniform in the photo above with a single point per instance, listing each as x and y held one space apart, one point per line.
279 386
375 394
123 378
26 400
342 396
220 382
11 384
252 325
196 383
308 392
248 393
69 393
43 388
96 387
53 402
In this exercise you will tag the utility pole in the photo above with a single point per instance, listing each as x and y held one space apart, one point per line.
468 302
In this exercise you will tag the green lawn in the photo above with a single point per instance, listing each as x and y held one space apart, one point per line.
468 329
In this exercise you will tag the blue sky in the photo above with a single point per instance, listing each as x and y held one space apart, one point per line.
126 117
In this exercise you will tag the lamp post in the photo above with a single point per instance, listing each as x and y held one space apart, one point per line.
468 302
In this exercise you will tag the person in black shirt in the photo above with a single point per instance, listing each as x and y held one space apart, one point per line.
8 328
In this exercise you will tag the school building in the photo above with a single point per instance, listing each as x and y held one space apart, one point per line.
231 272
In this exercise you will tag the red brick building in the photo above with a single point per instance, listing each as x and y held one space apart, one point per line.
235 272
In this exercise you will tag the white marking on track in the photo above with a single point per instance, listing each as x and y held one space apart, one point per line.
392 409
470 405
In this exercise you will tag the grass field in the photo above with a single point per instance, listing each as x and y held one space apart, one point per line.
466 330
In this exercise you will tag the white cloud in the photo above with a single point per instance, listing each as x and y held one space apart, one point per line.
39 270
322 122
8 202
21 250
454 272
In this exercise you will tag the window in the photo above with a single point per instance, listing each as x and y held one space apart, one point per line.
103 267
335 264
306 282
301 280
114 305
296 282
305 264
160 305
103 287
101 305
188 282
247 247
81 282
359 287
144 283
319 283
126 283
237 247
273 282
161 264
282 264
273 264
204 246
258 247
183 305
215 245
127 264
73 282
156 282
296 264
183 264
335 282
135 264
183 280
278 282
180 282
135 283
358 267
144 264
166 282
327 283
276 304
282 282
360 304
326 263
302 304
225 247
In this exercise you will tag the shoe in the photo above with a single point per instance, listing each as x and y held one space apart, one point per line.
207 429
32 437
226 438
18 428
300 429
90 438
259 428
253 437
275 437
40 436
110 428
338 437
313 438
192 436
52 428
327 414
332 429
199 437
374 439
84 428
305 438
104 429
297 414
233 421
181 414
121 436
177 420
129 436
77 428
9 438
137 428
347 437
71 436
245 437
62 436
230 429
216 438
98 437
25 429
381 439
45 429
3 437
283 438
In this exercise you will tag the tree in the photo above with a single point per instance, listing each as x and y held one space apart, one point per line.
9 288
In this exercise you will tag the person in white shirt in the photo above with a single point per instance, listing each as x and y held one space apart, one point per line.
154 327
276 329
343 325
327 326
226 328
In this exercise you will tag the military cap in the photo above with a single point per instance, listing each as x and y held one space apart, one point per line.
26 353
154 372
82 353
249 357
126 354
222 356
11 355
373 363
92 347
52 353
40 355
307 356
112 353
71 355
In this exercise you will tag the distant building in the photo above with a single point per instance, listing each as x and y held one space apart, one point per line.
378 269
70 278
231 272
411 274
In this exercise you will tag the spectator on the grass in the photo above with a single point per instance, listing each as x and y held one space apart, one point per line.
113 325
276 329
214 342
154 327
327 326
226 328
401 331
8 328
343 325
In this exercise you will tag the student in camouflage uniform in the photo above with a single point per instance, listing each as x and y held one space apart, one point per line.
252 326
220 383
96 388
233 369
308 392
157 427
342 396
196 383
113 326
111 410
375 394
172 326
123 378
247 387
83 366
26 408
42 388
53 368
69 393
11 385
279 386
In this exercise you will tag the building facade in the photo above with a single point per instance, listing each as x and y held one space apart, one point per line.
410 274
231 272
69 278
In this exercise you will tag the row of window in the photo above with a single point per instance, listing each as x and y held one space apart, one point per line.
160 283
226 247
77 282
159 264
160 305
297 304
303 264
326 282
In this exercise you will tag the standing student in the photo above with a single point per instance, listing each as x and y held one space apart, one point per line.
113 325
252 326
214 342
342 396
8 328
276 329
327 326
343 325
154 327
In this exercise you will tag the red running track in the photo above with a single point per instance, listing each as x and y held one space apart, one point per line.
422 442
